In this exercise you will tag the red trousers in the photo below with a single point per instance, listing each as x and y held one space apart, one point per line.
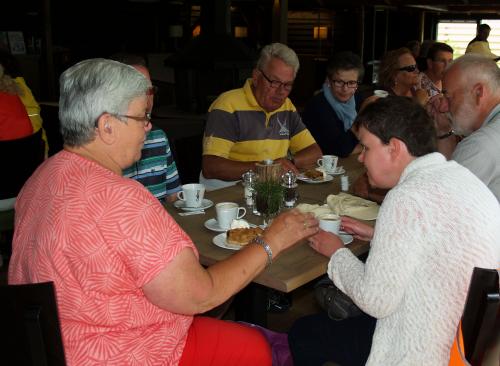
213 342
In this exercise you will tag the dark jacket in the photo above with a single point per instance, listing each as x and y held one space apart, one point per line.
326 127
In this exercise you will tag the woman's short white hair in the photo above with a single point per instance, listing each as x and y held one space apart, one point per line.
91 88
281 51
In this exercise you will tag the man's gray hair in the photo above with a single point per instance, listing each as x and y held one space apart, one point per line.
91 88
281 51
477 68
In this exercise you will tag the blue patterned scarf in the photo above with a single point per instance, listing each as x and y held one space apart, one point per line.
345 111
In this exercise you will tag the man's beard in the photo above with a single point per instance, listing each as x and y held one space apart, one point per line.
464 118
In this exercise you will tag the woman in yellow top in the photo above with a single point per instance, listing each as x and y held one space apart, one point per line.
11 68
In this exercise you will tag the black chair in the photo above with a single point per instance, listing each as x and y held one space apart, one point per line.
481 316
20 158
30 326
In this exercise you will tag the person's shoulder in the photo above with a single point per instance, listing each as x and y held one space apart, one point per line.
317 105
155 134
229 100
316 100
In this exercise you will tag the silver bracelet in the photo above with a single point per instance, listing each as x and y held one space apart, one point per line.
259 240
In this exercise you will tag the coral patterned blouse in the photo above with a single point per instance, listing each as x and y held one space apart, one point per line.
100 237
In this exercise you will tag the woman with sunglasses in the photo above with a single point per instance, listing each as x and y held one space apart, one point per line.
399 76
398 73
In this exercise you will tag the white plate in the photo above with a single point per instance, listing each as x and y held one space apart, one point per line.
220 241
303 178
346 238
213 225
204 205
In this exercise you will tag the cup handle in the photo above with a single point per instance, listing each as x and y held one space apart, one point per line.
180 195
320 162
243 214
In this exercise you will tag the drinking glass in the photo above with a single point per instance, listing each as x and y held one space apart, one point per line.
269 199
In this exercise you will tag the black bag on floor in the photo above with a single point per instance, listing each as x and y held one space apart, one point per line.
337 305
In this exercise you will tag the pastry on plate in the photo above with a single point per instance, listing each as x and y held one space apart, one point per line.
313 174
242 236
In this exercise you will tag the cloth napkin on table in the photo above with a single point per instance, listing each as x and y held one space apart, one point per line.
317 210
345 204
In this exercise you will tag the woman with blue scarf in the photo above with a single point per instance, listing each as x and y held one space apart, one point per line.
330 113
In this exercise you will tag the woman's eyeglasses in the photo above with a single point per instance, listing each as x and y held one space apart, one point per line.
409 68
351 84
146 119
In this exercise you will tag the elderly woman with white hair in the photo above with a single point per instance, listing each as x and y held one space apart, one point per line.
127 278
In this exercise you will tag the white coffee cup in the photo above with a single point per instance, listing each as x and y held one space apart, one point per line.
380 93
192 194
330 222
227 212
328 162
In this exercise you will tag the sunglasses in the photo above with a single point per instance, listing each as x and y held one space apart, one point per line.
409 68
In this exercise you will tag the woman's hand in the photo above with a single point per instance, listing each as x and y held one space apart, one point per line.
326 243
289 228
437 108
357 228
421 97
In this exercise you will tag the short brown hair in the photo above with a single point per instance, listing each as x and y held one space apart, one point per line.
400 118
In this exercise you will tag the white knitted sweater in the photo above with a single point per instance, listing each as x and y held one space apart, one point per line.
438 223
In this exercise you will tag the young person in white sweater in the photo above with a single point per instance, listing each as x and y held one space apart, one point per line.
437 223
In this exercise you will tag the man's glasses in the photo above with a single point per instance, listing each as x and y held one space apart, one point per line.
409 68
351 84
275 84
146 119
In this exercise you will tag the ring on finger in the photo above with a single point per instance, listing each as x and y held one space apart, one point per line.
306 225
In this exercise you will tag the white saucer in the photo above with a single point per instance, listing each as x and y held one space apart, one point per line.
346 238
213 225
339 170
303 178
204 205
220 241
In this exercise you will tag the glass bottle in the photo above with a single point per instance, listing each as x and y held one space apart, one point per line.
289 183
249 179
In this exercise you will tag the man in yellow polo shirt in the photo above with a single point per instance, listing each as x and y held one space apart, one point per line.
257 122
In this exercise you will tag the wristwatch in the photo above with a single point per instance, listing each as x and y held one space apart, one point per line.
446 135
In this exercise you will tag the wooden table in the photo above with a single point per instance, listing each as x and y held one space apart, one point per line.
295 267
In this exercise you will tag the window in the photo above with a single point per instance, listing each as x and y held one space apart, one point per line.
458 34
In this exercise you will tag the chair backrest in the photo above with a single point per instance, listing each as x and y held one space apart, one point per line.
20 158
30 326
481 316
